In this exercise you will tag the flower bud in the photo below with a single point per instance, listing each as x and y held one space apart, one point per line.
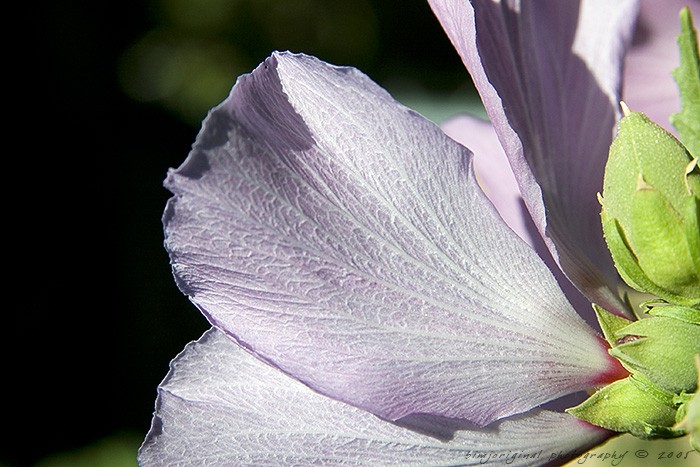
661 347
657 399
651 194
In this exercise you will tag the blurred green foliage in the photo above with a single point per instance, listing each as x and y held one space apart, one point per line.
189 60
118 450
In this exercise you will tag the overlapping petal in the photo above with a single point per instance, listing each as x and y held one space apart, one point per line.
492 171
496 179
549 75
219 405
342 237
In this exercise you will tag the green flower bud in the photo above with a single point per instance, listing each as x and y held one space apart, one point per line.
662 348
651 194
660 354
631 405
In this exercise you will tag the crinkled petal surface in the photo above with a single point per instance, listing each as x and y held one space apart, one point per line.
496 179
219 405
342 237
548 73
492 171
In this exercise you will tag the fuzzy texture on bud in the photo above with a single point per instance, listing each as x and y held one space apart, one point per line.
650 211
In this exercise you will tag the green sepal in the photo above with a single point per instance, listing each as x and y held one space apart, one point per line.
654 432
662 349
625 261
689 315
681 401
661 233
610 323
691 216
631 405
688 415
687 76
692 179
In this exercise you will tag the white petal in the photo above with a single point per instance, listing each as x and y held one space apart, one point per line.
220 406
343 238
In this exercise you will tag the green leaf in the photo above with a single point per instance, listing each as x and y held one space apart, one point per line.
687 76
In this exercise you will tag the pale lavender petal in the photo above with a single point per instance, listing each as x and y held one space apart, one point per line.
343 238
649 86
492 171
548 73
496 179
220 406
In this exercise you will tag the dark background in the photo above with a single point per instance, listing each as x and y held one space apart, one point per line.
127 86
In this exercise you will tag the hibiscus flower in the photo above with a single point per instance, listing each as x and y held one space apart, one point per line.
369 303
